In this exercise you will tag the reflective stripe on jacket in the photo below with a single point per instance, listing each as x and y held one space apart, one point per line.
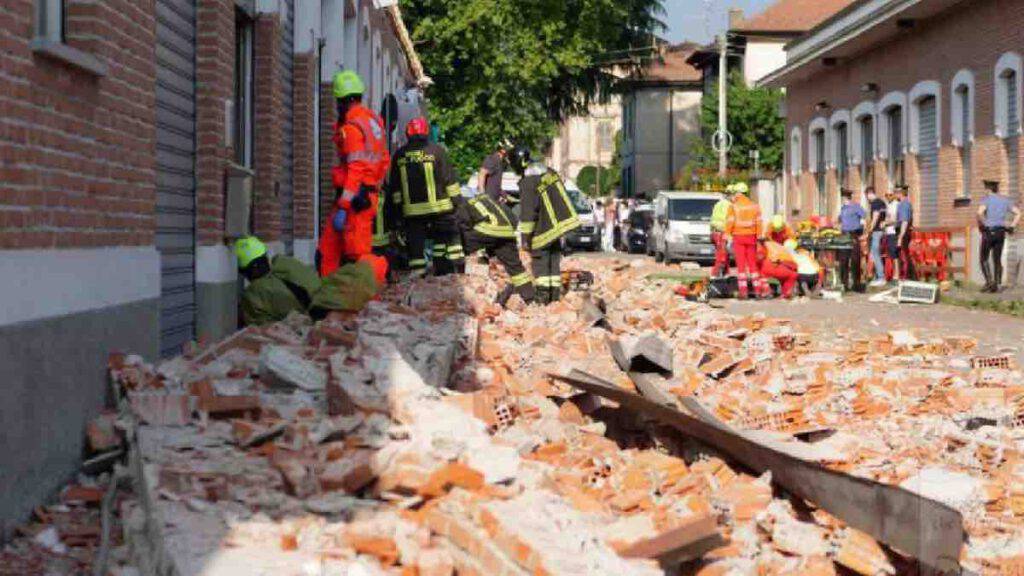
546 211
492 217
422 179
744 218
720 214
362 150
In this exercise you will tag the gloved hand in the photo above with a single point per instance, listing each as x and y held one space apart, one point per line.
338 221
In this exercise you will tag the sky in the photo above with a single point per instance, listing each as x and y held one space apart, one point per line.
700 20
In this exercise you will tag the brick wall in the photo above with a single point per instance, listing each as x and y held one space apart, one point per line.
328 152
77 151
971 36
268 126
303 102
215 65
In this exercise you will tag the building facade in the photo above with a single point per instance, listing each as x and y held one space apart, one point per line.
924 93
587 140
660 122
137 139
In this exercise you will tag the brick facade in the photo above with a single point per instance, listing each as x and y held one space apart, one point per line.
77 150
971 36
328 152
304 94
215 66
269 125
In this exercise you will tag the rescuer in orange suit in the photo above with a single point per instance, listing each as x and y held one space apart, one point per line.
360 138
743 227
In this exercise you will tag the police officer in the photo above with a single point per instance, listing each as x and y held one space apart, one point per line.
546 215
487 224
997 216
363 162
426 191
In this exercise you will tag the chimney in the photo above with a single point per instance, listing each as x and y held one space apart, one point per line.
735 17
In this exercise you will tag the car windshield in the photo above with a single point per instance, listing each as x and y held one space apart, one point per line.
641 219
579 202
691 209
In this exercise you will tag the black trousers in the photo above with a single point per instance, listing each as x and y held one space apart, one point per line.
443 232
849 263
504 249
547 272
992 242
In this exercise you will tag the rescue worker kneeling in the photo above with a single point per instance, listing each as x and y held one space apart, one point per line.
778 263
424 185
282 285
546 215
487 224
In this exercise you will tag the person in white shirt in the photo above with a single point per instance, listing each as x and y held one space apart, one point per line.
892 243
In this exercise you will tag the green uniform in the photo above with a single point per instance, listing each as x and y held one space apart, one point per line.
292 286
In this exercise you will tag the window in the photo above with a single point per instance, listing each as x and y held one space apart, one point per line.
1011 143
963 101
605 138
867 152
818 138
895 163
242 102
50 20
795 153
842 152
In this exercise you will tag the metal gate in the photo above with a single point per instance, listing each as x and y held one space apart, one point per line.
287 188
928 161
175 175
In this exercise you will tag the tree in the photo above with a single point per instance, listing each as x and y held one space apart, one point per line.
754 123
611 177
509 69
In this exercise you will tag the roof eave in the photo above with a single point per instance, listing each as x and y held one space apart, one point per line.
412 58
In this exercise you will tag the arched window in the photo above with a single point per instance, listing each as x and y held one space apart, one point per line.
892 132
817 160
1008 117
864 136
840 153
962 125
795 152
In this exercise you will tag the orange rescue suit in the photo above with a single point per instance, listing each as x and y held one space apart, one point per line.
363 163
744 218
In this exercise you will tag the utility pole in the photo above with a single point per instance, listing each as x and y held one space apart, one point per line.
722 134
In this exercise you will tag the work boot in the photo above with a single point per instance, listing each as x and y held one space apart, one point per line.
504 295
997 279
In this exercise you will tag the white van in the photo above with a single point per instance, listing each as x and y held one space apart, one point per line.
682 226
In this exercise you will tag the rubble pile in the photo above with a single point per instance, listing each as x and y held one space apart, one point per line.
426 436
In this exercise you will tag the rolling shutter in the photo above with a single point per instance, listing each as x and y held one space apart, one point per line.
288 164
175 174
1012 141
928 162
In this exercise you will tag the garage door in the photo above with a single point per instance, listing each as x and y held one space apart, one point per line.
287 175
175 180
928 162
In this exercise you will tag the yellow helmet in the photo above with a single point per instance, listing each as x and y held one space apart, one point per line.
248 249
741 188
778 222
791 244
348 83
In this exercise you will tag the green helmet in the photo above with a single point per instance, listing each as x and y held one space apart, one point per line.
347 83
248 249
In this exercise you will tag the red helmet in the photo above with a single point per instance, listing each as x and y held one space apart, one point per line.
417 127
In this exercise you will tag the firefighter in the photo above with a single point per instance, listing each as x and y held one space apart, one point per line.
743 228
423 184
363 162
487 224
779 231
718 218
546 215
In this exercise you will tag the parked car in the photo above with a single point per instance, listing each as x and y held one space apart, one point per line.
588 235
682 226
640 222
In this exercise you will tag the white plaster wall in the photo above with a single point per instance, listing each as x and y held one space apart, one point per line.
763 56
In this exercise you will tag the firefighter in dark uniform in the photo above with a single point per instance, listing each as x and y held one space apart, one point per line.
425 191
545 215
487 224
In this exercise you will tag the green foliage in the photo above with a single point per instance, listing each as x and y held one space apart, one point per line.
753 117
508 69
587 181
698 179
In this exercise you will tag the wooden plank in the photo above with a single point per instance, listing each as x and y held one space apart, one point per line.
925 529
